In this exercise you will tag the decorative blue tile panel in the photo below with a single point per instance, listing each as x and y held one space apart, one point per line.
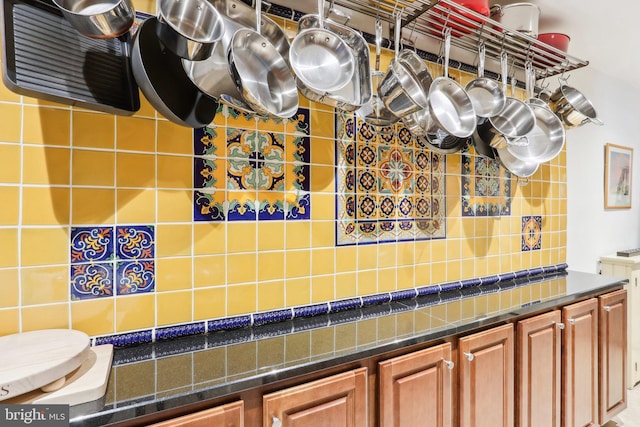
486 186
389 186
257 169
107 261
531 233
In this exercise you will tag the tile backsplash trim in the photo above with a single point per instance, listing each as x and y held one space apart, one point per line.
276 316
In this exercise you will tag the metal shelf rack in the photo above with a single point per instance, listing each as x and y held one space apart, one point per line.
428 18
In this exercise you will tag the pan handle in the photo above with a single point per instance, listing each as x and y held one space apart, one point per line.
378 42
258 16
481 57
447 50
396 33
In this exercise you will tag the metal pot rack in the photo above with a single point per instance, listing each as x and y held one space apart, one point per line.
429 18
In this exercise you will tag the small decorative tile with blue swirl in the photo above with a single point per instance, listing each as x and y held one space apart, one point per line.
107 261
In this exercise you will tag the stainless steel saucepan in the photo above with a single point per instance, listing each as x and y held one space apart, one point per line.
512 124
400 89
189 28
98 19
452 117
572 107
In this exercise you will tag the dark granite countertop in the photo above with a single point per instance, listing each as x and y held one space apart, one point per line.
165 375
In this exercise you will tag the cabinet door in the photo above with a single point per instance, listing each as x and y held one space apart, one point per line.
580 364
538 362
415 389
612 338
633 329
229 415
486 378
336 401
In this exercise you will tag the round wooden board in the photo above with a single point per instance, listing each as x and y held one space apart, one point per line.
34 359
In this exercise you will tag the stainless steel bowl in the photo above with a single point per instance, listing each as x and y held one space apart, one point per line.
98 19
189 28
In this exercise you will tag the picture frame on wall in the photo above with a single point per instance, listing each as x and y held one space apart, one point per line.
618 163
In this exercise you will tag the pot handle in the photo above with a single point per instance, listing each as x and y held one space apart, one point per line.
378 42
396 34
504 69
258 15
496 9
529 79
597 121
481 58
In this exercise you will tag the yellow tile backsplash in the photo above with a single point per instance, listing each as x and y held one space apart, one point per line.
64 169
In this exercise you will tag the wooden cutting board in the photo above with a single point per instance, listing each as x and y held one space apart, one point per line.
31 360
85 384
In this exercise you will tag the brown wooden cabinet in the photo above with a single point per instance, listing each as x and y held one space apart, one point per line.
229 415
612 339
486 378
416 388
580 364
336 401
538 370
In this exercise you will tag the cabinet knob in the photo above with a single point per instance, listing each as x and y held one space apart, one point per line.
275 422
449 363
572 321
606 308
560 325
469 356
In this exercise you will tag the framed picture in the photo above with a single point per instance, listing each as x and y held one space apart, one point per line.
618 161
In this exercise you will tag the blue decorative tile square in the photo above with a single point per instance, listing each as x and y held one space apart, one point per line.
107 261
531 233
486 186
91 244
389 187
257 170
135 277
135 242
91 280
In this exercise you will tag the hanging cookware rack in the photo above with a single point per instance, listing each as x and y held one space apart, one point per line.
427 18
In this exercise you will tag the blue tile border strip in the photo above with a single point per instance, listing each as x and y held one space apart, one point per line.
345 310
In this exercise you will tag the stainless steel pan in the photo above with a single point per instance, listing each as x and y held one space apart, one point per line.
572 107
358 91
546 139
261 74
487 96
321 59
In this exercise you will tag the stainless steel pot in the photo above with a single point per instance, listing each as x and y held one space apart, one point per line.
212 75
451 113
519 168
261 74
189 28
99 19
487 95
512 124
400 89
572 107
320 58
162 80
522 17
417 122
